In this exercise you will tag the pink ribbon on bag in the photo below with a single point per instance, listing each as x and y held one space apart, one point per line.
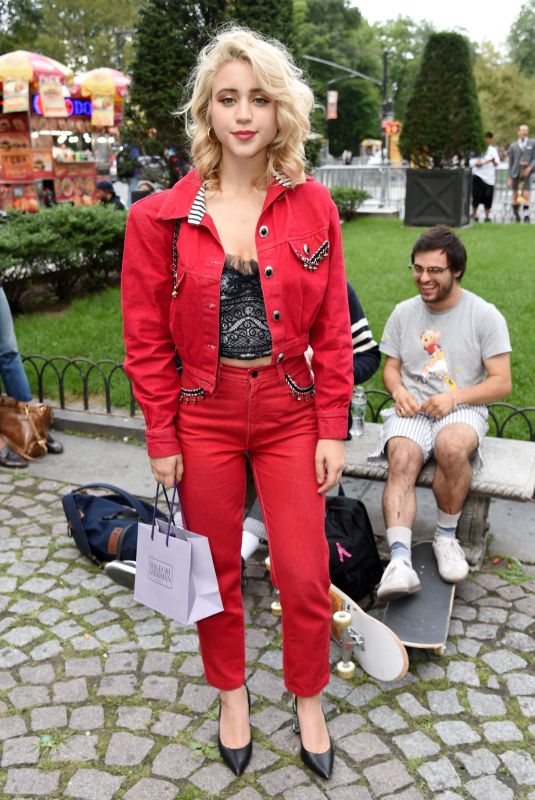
342 552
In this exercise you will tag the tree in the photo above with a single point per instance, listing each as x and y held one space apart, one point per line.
335 31
507 97
443 122
169 35
521 39
274 18
358 105
405 40
88 33
20 21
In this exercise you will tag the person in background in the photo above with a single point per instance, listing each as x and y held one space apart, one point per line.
447 356
366 354
15 382
107 197
484 178
521 163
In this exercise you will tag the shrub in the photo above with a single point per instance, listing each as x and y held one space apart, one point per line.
61 247
348 200
443 124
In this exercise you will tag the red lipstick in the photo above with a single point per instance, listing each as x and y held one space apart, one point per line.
244 135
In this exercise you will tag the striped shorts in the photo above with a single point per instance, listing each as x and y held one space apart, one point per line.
423 430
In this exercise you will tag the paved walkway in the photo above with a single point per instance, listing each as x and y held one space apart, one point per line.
102 698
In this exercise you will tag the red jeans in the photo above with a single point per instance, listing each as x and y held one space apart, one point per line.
254 412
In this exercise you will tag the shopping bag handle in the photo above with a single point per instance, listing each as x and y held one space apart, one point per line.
155 508
171 508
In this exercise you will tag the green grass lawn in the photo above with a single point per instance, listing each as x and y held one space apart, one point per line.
501 268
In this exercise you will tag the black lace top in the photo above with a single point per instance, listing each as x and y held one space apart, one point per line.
243 328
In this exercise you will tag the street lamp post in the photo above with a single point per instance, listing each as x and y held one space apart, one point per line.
353 73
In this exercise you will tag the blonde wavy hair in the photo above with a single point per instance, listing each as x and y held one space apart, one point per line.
278 76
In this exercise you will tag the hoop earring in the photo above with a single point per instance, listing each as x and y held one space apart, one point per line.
209 132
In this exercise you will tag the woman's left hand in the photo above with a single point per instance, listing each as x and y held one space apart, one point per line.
330 460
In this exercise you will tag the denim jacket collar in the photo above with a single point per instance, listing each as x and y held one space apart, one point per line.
187 198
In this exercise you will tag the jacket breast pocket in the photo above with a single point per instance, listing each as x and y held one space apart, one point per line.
311 250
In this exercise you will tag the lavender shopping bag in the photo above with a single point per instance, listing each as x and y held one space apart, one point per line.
175 572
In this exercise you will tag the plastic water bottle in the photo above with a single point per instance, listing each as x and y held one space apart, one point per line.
358 411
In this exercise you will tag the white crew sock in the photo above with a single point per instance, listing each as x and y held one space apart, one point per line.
447 524
399 540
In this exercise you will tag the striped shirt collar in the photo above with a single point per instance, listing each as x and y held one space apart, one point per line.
198 207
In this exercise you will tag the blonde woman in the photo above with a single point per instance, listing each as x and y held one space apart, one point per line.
239 268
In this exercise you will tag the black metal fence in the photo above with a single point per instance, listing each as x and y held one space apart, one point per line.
104 383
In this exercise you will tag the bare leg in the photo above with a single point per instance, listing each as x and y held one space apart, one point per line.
234 728
454 445
405 460
314 734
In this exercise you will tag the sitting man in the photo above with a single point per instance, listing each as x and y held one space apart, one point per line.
447 356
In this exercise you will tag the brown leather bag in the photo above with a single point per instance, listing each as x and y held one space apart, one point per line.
24 426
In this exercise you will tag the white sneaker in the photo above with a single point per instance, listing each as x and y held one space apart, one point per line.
452 564
399 579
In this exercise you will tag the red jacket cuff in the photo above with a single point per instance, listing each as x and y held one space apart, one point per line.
333 427
162 443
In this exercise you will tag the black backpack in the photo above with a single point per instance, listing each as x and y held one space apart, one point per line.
354 563
104 527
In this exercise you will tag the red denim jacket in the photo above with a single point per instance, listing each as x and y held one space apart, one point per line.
303 280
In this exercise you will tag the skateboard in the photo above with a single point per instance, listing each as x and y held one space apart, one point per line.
422 619
376 648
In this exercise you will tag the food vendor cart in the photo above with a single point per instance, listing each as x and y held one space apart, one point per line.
55 132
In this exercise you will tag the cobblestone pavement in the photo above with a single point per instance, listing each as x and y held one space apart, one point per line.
102 698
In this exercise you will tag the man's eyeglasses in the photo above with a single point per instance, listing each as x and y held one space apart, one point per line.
416 269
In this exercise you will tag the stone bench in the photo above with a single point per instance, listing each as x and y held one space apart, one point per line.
508 472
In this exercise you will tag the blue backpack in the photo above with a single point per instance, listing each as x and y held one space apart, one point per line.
104 527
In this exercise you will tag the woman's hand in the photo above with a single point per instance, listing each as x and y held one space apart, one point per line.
330 460
167 471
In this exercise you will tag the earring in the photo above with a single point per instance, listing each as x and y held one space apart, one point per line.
210 131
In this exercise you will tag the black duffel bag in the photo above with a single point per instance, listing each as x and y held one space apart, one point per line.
104 527
354 563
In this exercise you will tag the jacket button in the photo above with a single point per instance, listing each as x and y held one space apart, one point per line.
276 314
280 357
263 231
268 272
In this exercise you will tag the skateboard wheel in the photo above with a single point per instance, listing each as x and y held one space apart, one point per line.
342 619
345 669
267 564
276 608
439 651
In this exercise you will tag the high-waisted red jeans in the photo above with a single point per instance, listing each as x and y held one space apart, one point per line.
253 411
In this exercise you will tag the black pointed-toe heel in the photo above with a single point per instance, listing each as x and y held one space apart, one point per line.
236 758
320 763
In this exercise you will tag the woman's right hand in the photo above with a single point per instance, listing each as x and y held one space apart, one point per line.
167 471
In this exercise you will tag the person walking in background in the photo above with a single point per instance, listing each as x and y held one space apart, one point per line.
484 178
447 356
239 267
521 163
15 382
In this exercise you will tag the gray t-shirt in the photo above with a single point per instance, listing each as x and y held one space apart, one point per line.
444 350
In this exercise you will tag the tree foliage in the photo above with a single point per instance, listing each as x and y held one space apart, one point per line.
80 33
443 122
521 39
334 31
169 35
19 23
506 96
405 40
273 18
